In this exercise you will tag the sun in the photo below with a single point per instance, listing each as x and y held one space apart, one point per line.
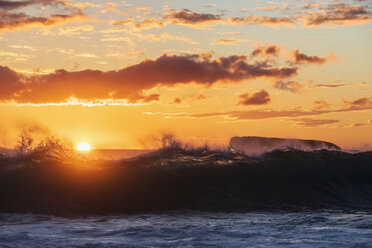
84 147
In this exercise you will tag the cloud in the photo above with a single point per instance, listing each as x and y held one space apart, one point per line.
260 114
30 48
364 102
201 20
131 82
312 5
261 20
84 5
288 86
338 14
358 124
13 15
75 30
321 104
142 9
301 58
267 50
12 56
190 98
150 98
259 98
269 8
255 114
10 82
307 122
112 7
177 100
227 41
10 5
361 124
210 5
296 87
330 85
165 37
147 23
189 17
200 97
308 16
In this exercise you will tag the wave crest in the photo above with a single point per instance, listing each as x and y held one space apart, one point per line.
178 178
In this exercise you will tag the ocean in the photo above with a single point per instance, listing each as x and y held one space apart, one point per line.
177 197
326 228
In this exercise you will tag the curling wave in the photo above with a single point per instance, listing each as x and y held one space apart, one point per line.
175 178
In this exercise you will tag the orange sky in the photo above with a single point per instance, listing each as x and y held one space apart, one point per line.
119 74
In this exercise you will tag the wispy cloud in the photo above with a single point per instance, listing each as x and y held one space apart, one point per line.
261 114
308 122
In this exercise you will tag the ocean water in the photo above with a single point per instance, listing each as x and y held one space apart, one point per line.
285 198
325 228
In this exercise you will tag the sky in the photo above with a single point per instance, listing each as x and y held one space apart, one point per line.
119 74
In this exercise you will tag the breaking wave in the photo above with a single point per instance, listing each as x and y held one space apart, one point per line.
176 177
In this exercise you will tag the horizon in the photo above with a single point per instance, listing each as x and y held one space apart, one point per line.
263 144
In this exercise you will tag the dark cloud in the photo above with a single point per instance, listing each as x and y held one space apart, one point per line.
259 98
9 5
312 15
14 15
288 86
130 82
10 82
330 85
338 14
301 58
268 50
189 98
358 124
261 20
177 100
196 19
187 16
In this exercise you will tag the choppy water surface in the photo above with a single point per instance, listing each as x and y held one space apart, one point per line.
191 229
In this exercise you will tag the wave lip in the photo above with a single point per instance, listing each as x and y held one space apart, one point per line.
253 145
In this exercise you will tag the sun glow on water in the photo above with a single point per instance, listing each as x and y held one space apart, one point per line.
84 147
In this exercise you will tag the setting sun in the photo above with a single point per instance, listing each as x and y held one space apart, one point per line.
83 146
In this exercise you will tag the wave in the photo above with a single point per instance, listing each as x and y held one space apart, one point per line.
176 178
253 145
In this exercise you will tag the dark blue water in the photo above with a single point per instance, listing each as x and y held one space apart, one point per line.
327 228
